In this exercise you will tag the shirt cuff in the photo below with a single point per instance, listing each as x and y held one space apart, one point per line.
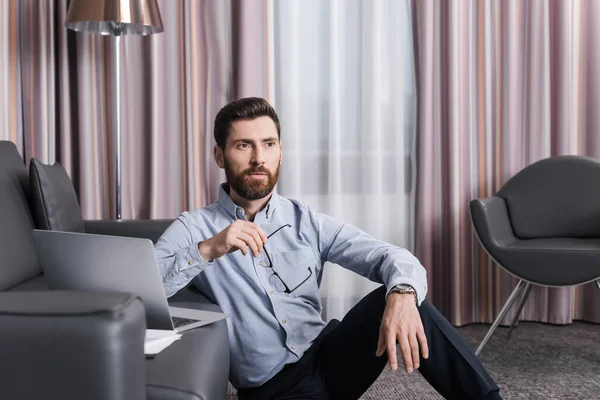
419 289
190 258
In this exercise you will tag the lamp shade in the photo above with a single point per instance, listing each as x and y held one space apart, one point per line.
114 17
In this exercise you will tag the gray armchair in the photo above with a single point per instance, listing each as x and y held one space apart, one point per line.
543 226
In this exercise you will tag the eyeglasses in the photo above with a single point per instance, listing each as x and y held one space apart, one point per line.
275 280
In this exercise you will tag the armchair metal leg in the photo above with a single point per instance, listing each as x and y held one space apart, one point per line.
515 320
513 296
598 283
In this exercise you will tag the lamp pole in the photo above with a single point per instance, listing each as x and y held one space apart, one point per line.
118 120
116 18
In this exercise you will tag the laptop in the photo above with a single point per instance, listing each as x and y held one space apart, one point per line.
82 261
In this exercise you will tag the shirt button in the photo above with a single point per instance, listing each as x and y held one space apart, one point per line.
190 262
284 321
293 348
271 291
261 263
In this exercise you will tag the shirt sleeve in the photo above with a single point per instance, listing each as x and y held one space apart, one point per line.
381 262
179 260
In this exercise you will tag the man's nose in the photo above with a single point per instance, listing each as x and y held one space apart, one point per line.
258 156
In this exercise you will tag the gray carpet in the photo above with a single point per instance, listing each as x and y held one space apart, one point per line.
540 362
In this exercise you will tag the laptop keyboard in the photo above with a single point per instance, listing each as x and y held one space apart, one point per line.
178 321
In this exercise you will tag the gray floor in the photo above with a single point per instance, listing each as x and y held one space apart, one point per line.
539 362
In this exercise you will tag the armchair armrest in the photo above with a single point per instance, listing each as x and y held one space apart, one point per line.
148 228
72 345
491 222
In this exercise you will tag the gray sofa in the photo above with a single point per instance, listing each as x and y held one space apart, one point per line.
75 345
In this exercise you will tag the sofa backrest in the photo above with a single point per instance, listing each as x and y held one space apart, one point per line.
18 257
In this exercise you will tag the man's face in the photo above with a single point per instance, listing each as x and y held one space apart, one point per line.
251 158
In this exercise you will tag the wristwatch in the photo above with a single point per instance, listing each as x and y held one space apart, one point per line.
404 288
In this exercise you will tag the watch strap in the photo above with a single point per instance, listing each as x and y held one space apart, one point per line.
404 288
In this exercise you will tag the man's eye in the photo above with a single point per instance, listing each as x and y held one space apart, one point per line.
270 144
243 145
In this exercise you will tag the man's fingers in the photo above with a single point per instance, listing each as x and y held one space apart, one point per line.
391 351
257 238
380 343
238 243
406 353
254 230
254 227
249 239
414 350
423 343
262 234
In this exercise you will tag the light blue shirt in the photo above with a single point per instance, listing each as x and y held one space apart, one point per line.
268 328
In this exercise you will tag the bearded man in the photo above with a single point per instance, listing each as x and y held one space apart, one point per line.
260 257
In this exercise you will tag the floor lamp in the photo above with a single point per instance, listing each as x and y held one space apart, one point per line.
115 18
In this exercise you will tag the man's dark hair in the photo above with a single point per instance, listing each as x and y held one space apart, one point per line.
246 108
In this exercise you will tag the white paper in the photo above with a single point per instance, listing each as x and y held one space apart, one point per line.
157 340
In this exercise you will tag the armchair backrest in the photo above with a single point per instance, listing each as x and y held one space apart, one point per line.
555 197
18 257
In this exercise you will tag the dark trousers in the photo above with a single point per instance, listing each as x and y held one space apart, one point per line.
341 364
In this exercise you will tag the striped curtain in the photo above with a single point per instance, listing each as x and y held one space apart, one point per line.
501 84
57 89
11 114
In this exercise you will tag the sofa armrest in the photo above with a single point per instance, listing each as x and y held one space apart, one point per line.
146 228
72 345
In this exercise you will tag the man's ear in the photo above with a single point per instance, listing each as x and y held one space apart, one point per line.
219 157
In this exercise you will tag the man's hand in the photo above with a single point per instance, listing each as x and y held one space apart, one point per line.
240 235
402 322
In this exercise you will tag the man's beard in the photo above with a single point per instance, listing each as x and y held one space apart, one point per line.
249 188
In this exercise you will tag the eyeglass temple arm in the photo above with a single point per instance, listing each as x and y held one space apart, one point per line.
278 229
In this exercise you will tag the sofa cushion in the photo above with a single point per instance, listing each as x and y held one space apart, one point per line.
36 284
18 258
196 367
53 202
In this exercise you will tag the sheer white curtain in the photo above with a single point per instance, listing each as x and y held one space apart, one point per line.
345 93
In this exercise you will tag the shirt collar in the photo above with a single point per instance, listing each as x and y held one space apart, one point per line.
236 211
